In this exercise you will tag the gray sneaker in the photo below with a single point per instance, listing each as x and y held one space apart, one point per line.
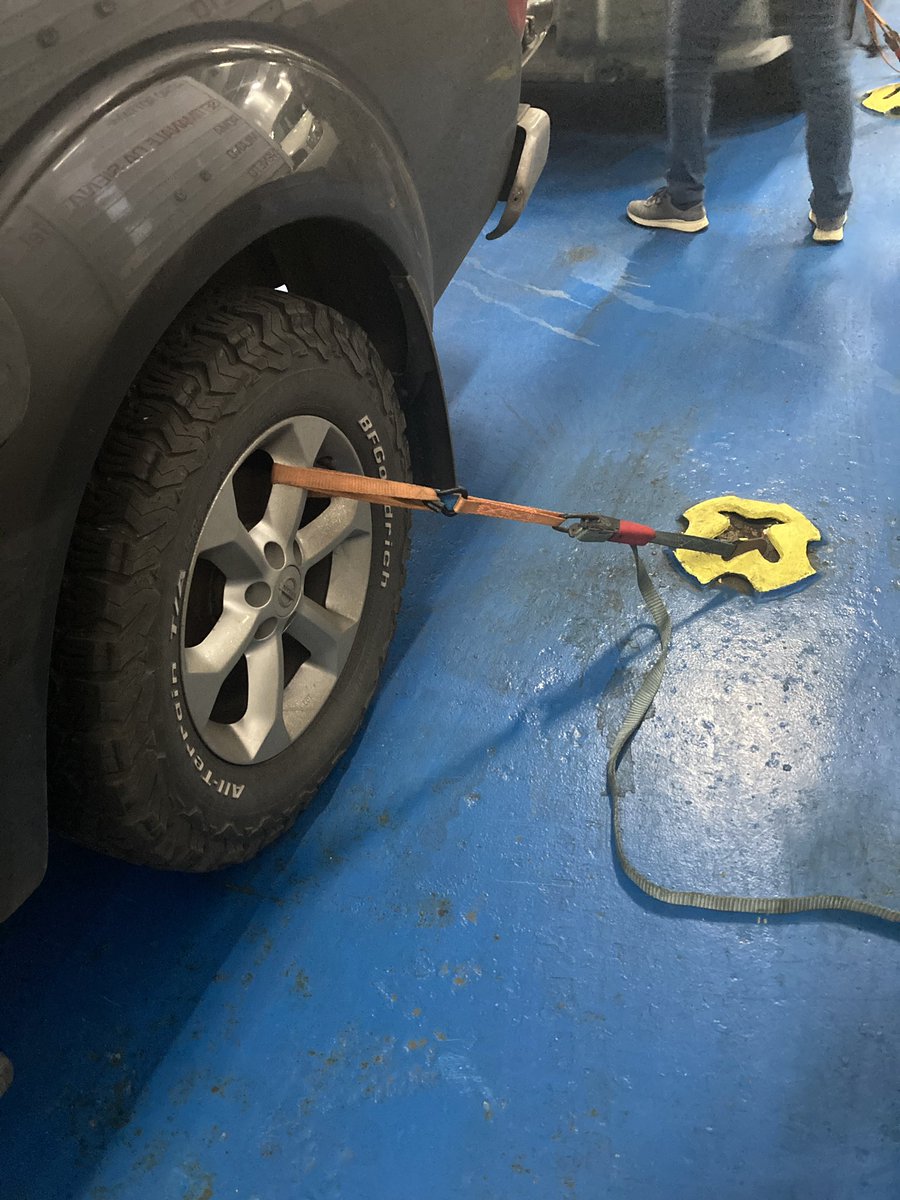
828 231
658 212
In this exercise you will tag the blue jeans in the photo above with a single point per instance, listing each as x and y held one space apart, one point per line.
695 32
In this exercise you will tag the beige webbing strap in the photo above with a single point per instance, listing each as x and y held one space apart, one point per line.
407 495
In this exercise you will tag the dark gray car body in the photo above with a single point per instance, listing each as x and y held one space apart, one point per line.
351 149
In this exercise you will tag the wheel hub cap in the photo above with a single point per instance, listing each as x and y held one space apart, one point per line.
288 590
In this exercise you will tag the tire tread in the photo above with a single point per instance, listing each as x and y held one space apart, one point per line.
101 684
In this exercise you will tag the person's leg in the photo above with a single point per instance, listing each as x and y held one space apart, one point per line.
820 62
694 35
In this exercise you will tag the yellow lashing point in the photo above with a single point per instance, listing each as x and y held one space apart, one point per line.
883 100
790 534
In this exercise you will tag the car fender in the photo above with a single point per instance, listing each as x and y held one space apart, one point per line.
112 217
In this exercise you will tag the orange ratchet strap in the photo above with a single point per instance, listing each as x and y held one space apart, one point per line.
451 502
874 20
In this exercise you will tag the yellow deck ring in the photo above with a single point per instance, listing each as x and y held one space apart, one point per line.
884 100
790 534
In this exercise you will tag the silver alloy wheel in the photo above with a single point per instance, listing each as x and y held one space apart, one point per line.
274 596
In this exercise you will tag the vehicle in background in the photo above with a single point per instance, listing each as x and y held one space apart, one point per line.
619 41
224 225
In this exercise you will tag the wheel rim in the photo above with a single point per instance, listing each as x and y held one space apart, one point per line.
274 596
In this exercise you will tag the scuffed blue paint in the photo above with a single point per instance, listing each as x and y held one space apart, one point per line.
439 985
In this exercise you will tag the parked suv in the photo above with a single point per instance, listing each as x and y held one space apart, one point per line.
224 225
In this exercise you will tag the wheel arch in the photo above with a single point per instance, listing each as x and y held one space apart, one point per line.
342 264
212 213
394 314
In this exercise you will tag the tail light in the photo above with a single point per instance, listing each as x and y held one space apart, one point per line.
517 11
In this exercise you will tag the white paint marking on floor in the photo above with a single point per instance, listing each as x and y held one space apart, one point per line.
566 333
550 293
878 375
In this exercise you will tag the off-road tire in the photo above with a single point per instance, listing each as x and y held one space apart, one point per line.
124 753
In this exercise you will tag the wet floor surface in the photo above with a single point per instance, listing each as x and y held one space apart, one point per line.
439 985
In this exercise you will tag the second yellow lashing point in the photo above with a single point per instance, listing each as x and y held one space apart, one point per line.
883 100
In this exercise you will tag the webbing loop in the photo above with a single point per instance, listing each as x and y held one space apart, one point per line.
634 718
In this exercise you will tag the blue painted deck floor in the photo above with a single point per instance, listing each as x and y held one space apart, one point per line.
439 986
